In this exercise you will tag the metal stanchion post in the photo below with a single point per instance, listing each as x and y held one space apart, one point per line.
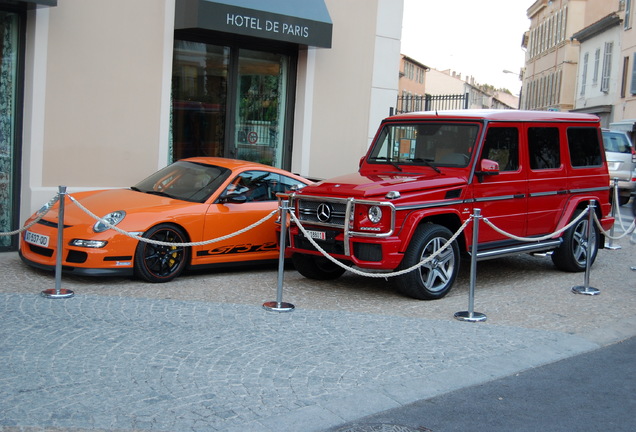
279 305
59 292
586 289
611 245
470 315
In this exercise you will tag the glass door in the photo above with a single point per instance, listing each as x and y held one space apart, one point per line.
199 93
260 107
9 47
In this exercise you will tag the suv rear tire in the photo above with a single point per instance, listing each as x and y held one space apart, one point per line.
434 279
572 254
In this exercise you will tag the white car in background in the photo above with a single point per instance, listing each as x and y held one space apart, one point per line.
621 162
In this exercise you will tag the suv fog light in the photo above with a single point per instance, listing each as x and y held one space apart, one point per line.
96 244
375 214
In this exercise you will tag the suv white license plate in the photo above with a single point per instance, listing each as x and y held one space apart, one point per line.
36 239
317 235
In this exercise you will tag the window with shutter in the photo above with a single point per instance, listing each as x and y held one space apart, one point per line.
607 66
633 86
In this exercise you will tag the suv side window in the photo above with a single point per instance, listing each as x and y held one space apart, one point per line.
502 146
544 148
584 146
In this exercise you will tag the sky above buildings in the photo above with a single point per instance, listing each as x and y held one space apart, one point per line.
479 38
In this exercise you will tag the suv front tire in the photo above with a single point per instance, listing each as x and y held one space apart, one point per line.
434 279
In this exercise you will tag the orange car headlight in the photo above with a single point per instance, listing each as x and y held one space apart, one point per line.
112 218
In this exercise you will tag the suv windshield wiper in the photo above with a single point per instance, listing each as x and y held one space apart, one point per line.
427 163
385 159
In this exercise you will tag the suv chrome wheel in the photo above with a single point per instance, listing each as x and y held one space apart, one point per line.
573 253
434 279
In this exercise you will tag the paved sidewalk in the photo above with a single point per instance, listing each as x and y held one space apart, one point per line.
201 354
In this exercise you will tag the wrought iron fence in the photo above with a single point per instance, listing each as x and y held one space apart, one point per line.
429 102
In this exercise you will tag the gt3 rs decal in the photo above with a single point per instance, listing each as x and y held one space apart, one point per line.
239 249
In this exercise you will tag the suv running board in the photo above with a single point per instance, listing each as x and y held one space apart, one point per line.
524 248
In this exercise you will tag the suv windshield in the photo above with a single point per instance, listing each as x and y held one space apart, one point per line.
439 144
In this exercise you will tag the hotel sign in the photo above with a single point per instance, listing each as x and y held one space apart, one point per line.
284 24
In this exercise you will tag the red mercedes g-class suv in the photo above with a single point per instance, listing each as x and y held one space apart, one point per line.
529 172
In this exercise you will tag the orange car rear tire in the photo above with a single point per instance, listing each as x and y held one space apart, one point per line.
160 263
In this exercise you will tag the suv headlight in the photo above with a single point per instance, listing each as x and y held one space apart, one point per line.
112 218
375 214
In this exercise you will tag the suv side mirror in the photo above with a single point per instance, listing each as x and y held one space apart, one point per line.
487 167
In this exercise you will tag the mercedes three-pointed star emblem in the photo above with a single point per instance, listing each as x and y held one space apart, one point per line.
323 212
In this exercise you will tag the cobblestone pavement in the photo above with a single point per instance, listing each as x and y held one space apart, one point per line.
201 354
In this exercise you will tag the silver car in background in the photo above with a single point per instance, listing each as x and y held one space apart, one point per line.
621 162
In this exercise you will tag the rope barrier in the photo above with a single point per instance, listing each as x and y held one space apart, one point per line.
40 214
378 275
533 239
160 243
354 270
627 231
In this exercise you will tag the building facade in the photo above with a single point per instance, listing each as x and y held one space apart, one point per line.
598 80
551 57
411 85
89 104
448 83
581 56
625 105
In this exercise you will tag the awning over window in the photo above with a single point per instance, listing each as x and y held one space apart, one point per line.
626 125
305 22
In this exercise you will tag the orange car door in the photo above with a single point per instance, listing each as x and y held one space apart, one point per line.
247 199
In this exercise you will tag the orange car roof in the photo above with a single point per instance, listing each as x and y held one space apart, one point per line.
235 164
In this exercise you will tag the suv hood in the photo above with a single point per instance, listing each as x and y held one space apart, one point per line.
357 185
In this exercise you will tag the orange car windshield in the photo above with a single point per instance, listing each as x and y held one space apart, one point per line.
186 181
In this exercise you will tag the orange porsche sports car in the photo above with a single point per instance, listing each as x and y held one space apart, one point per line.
190 201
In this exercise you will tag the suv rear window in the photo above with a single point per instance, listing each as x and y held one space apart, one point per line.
584 147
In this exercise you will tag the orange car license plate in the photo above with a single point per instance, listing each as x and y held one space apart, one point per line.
36 239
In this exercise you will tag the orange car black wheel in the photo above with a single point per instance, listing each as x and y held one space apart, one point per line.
161 263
